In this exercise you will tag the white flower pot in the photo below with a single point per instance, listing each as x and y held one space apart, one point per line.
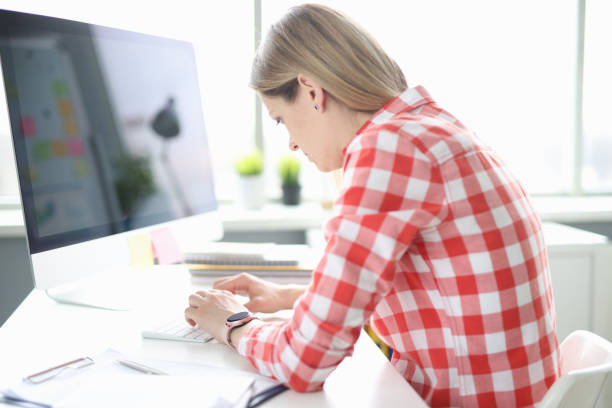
252 191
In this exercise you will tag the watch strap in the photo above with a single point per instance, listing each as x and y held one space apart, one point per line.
231 325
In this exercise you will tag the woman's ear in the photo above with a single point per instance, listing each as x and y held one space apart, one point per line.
316 94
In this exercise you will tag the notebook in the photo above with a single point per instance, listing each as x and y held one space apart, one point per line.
229 258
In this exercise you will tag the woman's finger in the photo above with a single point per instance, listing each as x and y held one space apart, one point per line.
190 315
236 283
216 291
222 281
230 284
220 291
195 300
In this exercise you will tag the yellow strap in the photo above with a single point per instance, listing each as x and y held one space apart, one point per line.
387 351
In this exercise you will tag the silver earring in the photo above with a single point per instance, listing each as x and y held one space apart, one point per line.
316 107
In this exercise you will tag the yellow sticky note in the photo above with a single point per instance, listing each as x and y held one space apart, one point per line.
141 252
65 108
70 127
80 167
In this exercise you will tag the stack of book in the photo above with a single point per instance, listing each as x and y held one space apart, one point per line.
229 258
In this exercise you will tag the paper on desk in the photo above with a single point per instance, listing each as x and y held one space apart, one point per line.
108 383
132 390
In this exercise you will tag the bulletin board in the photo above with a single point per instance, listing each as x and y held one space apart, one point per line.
61 165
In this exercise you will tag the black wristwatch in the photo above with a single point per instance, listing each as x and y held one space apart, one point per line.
234 321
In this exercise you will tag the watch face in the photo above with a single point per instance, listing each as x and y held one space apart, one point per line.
237 316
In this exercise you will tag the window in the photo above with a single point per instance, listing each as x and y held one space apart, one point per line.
597 107
491 64
509 70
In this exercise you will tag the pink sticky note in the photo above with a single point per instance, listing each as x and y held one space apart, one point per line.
75 147
165 248
28 126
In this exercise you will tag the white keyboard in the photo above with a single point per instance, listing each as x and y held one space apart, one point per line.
178 330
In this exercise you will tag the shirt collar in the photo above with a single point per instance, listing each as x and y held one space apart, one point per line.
408 100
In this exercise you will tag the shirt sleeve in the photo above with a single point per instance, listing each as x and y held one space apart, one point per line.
387 196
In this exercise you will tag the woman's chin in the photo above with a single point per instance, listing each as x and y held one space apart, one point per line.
327 168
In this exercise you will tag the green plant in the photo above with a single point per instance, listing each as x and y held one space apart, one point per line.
289 171
133 181
250 164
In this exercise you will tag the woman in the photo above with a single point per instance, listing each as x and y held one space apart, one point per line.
434 243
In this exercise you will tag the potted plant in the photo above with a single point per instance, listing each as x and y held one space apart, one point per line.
133 184
289 171
250 170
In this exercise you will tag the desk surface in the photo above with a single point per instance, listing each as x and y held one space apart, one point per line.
42 333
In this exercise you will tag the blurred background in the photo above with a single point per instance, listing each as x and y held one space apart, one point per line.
532 79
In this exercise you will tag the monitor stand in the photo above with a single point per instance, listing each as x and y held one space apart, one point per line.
118 290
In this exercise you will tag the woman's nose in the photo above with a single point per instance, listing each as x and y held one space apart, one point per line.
293 146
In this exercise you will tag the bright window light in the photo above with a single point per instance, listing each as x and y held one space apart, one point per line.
597 127
505 69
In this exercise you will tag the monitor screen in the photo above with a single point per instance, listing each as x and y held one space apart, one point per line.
107 128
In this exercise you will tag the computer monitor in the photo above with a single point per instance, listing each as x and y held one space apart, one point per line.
109 140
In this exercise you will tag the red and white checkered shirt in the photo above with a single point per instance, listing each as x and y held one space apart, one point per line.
435 245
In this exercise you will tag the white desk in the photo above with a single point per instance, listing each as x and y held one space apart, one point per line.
42 333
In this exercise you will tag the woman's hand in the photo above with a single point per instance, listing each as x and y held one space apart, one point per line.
210 309
264 296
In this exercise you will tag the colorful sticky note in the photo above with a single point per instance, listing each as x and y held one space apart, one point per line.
28 126
60 89
165 247
42 150
75 147
141 252
80 167
70 127
64 107
59 148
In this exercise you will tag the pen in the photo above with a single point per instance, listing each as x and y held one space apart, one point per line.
265 395
12 398
141 367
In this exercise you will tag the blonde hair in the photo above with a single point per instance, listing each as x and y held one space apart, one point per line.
317 40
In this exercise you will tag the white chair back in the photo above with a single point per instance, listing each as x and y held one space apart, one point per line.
586 361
